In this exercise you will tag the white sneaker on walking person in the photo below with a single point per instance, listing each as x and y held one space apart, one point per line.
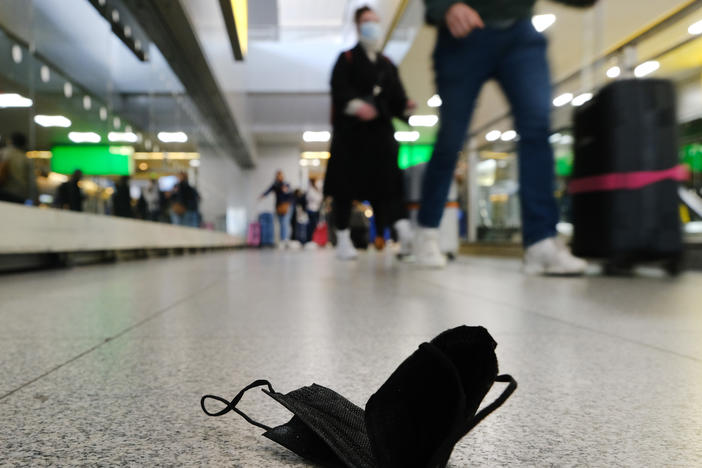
426 249
551 257
344 247
404 236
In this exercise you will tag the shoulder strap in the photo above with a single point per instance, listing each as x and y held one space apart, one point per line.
349 56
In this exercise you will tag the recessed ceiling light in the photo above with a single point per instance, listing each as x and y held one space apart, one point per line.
614 72
52 121
543 22
67 89
407 137
84 137
581 99
316 137
509 135
646 68
434 101
124 137
695 29
493 135
14 100
563 99
45 74
16 53
172 137
87 102
423 120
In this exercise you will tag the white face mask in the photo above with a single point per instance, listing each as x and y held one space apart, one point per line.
370 34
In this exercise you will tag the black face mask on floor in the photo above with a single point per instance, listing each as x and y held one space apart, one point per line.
414 420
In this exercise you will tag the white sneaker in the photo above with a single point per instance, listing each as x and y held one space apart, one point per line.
311 246
344 247
404 236
426 249
282 245
551 257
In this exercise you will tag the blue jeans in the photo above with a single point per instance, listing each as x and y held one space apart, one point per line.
189 218
285 225
516 58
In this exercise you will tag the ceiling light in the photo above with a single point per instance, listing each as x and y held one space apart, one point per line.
87 102
582 99
14 100
68 90
646 68
434 101
614 72
543 22
143 166
509 135
84 137
316 155
172 137
493 135
316 137
16 53
563 99
52 121
125 137
695 29
555 138
103 114
45 73
407 137
423 120
194 163
567 140
116 122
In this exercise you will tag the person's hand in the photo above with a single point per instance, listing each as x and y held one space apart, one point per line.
411 105
367 112
462 20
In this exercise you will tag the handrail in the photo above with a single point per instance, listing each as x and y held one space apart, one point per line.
396 21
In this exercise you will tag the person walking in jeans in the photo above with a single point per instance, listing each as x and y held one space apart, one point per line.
283 206
479 40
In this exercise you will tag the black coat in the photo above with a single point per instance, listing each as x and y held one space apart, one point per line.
363 163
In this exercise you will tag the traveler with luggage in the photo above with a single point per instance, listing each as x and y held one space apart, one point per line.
479 40
283 205
366 94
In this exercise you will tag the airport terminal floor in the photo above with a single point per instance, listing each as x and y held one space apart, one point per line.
105 365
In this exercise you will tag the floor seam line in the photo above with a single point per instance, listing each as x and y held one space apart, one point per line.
108 340
565 322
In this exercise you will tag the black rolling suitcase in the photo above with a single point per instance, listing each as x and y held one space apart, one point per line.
626 176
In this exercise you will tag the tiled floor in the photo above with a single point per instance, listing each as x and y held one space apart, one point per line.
105 365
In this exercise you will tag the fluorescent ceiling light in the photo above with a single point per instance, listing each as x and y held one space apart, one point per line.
434 101
563 99
126 137
52 121
316 155
14 100
194 163
173 137
695 29
543 22
614 72
567 140
407 137
493 135
316 137
555 138
509 135
423 120
582 99
84 137
646 68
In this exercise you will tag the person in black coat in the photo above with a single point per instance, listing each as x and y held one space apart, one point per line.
122 199
367 94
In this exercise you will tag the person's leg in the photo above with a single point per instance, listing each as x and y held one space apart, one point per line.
284 222
524 76
342 220
312 224
191 219
461 67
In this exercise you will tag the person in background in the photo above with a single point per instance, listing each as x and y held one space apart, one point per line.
479 40
301 219
152 196
185 202
314 199
18 182
122 199
283 205
69 195
367 94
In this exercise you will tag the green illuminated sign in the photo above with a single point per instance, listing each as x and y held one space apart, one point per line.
692 156
93 160
411 155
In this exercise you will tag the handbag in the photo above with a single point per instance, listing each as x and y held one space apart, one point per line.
282 209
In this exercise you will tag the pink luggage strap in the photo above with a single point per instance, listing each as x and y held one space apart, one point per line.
627 180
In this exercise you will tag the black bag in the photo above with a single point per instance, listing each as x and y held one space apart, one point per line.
626 175
413 421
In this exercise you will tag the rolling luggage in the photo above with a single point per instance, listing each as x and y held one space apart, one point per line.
626 175
253 236
265 220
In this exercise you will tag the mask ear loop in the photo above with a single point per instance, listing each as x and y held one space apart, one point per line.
231 406
485 412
